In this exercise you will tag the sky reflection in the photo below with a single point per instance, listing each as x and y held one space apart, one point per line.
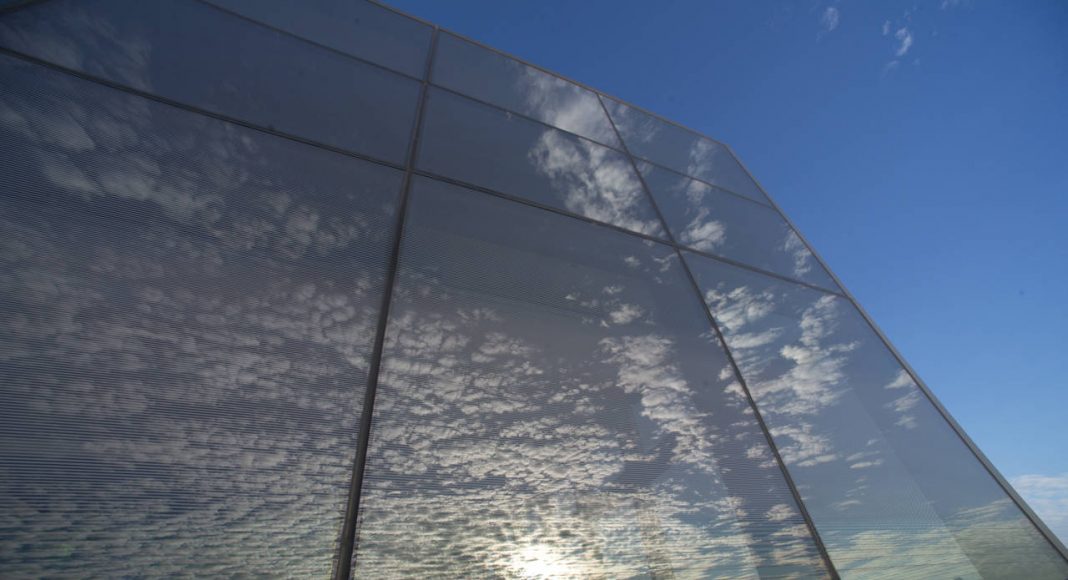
540 394
188 309
888 484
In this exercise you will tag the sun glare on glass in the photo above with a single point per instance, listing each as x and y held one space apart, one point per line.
540 561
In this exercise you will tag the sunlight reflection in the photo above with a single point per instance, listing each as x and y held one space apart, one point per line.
541 561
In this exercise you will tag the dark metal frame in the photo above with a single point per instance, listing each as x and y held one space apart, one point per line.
1045 531
734 365
347 539
347 548
1052 538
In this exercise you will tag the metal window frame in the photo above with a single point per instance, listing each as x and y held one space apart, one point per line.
1052 538
347 552
352 509
1054 541
817 541
367 158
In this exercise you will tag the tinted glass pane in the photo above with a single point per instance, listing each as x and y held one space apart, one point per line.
681 150
710 220
508 83
357 27
186 317
552 404
890 486
481 145
201 56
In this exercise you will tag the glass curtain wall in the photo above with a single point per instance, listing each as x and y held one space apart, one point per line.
316 289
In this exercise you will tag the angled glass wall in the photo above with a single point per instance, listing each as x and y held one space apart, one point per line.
188 312
552 396
195 54
889 485
316 289
527 159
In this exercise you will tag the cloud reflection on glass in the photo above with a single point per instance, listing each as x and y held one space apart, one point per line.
681 150
362 29
553 396
713 221
188 309
505 82
889 485
187 315
197 55
477 144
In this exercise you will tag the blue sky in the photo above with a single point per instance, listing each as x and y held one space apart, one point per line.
919 146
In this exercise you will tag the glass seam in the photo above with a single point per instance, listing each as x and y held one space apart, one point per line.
347 542
737 371
652 238
306 40
1050 537
545 70
194 109
364 157
718 188
435 31
524 116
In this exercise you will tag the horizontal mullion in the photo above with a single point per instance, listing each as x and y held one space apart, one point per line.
306 40
718 188
580 84
368 158
524 116
586 219
197 110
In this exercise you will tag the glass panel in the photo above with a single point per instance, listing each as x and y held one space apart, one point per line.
710 220
891 488
681 150
197 55
506 82
471 142
553 404
187 310
356 27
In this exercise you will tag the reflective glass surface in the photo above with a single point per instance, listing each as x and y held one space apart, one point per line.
484 146
893 491
711 220
553 404
356 27
192 53
495 78
682 150
187 310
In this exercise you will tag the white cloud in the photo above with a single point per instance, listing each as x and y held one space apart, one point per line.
703 233
625 314
780 512
829 19
563 105
599 183
1048 496
886 28
904 38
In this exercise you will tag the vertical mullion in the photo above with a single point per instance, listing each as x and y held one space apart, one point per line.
730 357
347 542
1052 538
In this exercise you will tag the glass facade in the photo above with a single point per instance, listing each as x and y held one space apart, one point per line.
317 289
